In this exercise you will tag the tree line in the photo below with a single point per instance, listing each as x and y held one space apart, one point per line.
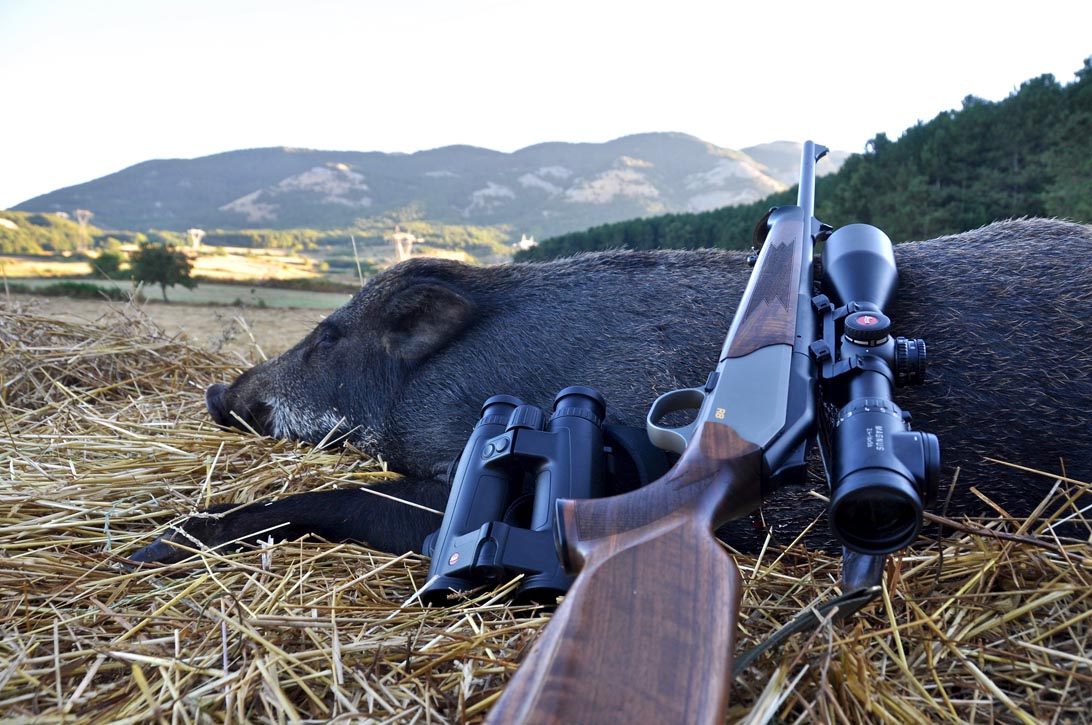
23 233
39 233
1027 155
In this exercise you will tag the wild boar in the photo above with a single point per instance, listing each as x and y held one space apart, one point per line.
403 368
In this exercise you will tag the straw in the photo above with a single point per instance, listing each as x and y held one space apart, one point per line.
105 443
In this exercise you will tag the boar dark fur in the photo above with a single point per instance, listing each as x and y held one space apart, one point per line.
404 367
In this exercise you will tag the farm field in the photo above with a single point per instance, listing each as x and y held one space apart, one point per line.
247 332
218 263
227 312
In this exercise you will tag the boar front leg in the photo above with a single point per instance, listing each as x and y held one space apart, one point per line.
363 516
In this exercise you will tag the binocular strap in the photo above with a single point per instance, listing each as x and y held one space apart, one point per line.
631 445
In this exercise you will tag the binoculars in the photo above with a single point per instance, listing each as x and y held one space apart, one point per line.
517 457
881 472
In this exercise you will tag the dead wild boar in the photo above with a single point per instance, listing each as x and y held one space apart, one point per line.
403 368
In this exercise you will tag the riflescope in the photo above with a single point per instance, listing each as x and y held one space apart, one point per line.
881 472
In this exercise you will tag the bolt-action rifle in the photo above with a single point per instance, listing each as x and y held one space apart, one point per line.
647 631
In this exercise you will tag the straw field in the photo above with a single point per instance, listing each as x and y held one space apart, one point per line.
105 442
246 334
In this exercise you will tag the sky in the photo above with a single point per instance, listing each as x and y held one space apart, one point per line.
89 87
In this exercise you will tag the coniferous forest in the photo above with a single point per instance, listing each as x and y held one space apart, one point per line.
1027 155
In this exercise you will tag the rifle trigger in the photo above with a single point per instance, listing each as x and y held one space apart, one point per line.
674 440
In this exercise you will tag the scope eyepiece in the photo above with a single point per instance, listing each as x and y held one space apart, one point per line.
884 475
875 511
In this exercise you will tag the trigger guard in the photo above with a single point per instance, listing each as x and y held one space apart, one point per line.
673 439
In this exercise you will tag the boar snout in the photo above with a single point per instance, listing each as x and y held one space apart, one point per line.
214 401
227 411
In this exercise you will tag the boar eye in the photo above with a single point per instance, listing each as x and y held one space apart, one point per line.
328 335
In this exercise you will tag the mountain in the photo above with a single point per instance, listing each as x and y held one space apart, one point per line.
541 190
1027 155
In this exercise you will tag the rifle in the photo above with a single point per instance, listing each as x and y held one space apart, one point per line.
647 631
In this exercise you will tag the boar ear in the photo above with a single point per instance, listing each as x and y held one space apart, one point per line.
423 318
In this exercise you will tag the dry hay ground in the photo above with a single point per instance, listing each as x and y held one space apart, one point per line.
105 442
250 333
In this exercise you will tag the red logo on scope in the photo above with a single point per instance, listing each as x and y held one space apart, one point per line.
867 320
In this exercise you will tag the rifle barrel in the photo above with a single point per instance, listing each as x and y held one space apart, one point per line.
811 153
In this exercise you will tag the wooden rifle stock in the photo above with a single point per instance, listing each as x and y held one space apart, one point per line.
647 631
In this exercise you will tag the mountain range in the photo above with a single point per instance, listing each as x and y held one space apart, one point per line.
541 190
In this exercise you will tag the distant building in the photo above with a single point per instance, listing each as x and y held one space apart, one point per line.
83 218
196 235
525 243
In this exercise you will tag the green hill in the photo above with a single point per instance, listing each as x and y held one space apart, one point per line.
32 233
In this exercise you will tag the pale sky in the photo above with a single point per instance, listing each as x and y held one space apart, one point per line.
89 87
